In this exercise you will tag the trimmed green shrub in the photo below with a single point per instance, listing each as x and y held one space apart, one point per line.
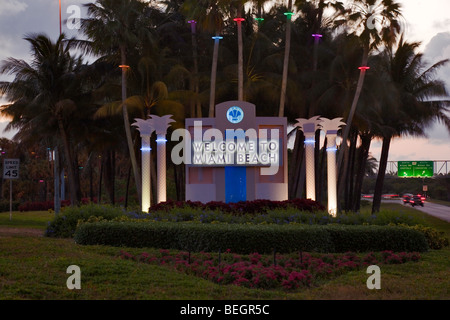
65 223
435 239
250 238
376 238
276 216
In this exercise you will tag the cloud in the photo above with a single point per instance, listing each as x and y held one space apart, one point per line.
441 24
438 49
6 134
11 7
412 148
37 16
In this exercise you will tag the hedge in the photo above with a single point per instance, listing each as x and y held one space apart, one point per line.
250 238
65 223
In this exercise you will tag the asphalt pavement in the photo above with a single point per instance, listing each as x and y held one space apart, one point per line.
436 210
433 209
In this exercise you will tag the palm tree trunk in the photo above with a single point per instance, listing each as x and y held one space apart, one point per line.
341 180
366 139
349 120
137 177
321 173
179 181
381 173
91 183
294 168
285 62
128 186
69 160
301 180
109 175
351 171
57 198
154 183
100 178
317 162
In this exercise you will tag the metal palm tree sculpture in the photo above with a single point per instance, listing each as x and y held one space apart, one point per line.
309 127
331 127
146 129
160 125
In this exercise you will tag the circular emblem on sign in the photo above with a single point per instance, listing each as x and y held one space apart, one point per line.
235 114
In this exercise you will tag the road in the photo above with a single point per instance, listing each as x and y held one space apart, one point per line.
433 209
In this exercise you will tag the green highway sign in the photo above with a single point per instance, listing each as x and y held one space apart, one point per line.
415 169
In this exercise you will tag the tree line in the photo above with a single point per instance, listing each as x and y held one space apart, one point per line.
290 58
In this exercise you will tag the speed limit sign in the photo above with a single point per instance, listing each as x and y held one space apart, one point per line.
11 168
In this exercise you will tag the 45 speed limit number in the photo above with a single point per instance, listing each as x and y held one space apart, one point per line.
11 168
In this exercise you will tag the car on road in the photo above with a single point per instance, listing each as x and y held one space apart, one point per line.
407 198
416 201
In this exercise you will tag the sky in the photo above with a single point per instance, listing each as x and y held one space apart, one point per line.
426 21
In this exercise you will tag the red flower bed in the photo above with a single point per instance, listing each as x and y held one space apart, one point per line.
242 207
47 205
255 271
41 206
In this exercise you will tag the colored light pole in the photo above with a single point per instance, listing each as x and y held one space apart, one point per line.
317 38
194 106
239 20
212 95
161 124
145 129
60 18
56 174
309 127
287 49
331 127
192 23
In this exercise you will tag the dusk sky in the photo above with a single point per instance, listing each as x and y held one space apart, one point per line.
427 21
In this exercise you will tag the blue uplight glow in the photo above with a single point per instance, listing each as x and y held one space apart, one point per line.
217 38
161 140
146 149
334 149
310 141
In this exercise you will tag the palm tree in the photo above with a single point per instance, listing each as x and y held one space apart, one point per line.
420 100
117 27
43 95
375 22
313 20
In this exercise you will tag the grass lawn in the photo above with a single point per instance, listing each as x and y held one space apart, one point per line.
31 219
34 267
441 202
